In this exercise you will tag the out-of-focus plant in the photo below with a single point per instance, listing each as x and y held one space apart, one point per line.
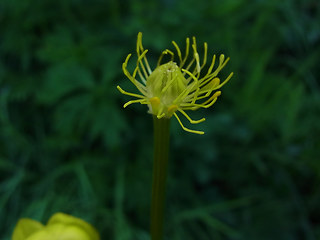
60 118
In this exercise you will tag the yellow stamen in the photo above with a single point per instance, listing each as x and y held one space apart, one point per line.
205 55
139 46
178 50
141 101
186 92
195 95
187 53
191 75
222 64
190 120
197 68
190 64
165 52
224 82
212 64
210 84
172 109
187 129
208 103
215 95
138 85
129 94
138 69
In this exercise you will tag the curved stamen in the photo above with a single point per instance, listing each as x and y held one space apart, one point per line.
165 52
178 51
190 120
187 129
129 94
141 101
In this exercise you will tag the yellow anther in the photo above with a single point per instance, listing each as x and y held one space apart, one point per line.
209 84
216 94
221 58
172 109
155 101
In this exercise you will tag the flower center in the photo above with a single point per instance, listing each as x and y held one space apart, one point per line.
166 82
164 85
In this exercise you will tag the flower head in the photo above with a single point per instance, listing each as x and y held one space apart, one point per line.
177 85
60 226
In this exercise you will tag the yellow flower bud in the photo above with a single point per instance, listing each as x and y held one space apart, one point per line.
60 227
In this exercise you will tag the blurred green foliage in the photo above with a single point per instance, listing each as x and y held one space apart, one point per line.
67 145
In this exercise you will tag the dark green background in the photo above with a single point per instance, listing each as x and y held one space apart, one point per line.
67 144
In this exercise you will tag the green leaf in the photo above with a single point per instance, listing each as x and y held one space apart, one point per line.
63 79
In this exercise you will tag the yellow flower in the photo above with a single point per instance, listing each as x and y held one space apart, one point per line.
60 227
175 87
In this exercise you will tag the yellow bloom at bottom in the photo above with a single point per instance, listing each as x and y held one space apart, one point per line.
60 227
177 85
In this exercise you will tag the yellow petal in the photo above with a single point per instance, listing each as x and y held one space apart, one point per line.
25 228
74 233
65 219
41 235
61 232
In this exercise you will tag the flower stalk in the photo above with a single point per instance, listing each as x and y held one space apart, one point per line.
159 175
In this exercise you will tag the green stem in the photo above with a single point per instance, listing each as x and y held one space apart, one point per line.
159 175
